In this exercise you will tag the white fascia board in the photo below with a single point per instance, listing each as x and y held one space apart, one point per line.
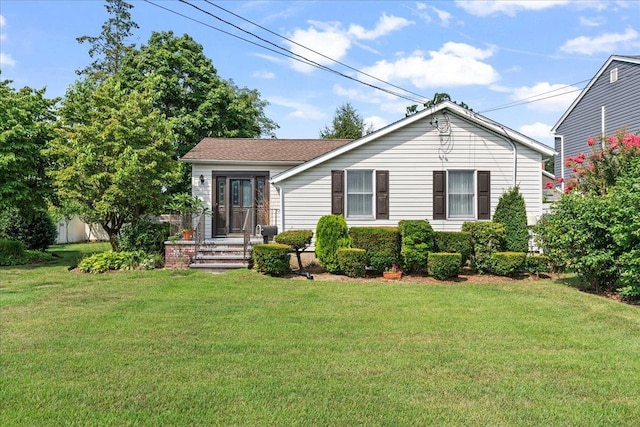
591 83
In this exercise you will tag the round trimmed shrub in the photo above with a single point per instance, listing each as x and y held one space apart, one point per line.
271 259
416 243
512 213
297 239
536 264
508 263
353 261
331 235
443 265
454 242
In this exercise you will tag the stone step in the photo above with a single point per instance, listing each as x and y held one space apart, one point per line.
218 266
228 258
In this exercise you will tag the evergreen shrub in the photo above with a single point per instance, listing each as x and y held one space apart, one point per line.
536 264
443 265
382 245
487 237
331 235
35 229
353 261
271 259
416 243
455 242
512 213
508 263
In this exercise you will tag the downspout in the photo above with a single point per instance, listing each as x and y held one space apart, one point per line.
602 126
562 160
281 190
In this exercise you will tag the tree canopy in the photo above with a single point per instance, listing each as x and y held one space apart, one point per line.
110 47
188 91
26 125
113 155
346 124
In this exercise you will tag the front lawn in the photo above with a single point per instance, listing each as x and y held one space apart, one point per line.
178 347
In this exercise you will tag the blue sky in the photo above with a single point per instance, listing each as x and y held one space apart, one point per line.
487 54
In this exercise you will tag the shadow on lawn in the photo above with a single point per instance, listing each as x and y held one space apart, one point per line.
579 284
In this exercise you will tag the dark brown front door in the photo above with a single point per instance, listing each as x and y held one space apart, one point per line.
220 205
235 196
241 198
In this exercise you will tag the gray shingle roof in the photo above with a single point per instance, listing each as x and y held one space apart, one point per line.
262 150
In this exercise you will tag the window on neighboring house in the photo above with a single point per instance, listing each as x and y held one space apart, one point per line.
359 193
613 75
461 194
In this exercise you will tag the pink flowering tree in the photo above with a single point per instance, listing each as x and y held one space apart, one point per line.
594 228
598 171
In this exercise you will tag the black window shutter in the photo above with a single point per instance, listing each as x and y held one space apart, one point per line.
484 195
337 192
439 195
382 194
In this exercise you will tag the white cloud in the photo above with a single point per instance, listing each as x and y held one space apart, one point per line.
264 74
443 16
376 121
608 42
356 94
329 40
3 22
301 110
507 7
6 59
592 22
386 25
269 58
547 97
537 130
455 64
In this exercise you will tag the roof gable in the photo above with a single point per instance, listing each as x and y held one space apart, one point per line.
451 107
620 58
260 150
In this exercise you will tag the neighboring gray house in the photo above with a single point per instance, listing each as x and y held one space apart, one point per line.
608 103
445 164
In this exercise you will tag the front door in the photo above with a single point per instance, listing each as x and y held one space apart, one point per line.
241 196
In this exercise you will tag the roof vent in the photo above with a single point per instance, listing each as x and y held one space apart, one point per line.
613 75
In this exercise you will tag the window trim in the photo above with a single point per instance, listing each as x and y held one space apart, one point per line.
370 215
474 202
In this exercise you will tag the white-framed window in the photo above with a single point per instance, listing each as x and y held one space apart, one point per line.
613 75
360 194
461 194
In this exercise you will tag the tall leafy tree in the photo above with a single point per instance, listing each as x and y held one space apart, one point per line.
346 124
111 46
113 156
26 125
188 91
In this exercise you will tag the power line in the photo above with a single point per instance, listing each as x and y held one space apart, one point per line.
289 55
316 52
312 63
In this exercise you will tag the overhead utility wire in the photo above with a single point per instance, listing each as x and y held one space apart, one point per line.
290 55
522 102
312 63
314 51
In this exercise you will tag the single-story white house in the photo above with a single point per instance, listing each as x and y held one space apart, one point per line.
445 164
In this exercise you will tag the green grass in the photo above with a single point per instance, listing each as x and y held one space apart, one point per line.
188 348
